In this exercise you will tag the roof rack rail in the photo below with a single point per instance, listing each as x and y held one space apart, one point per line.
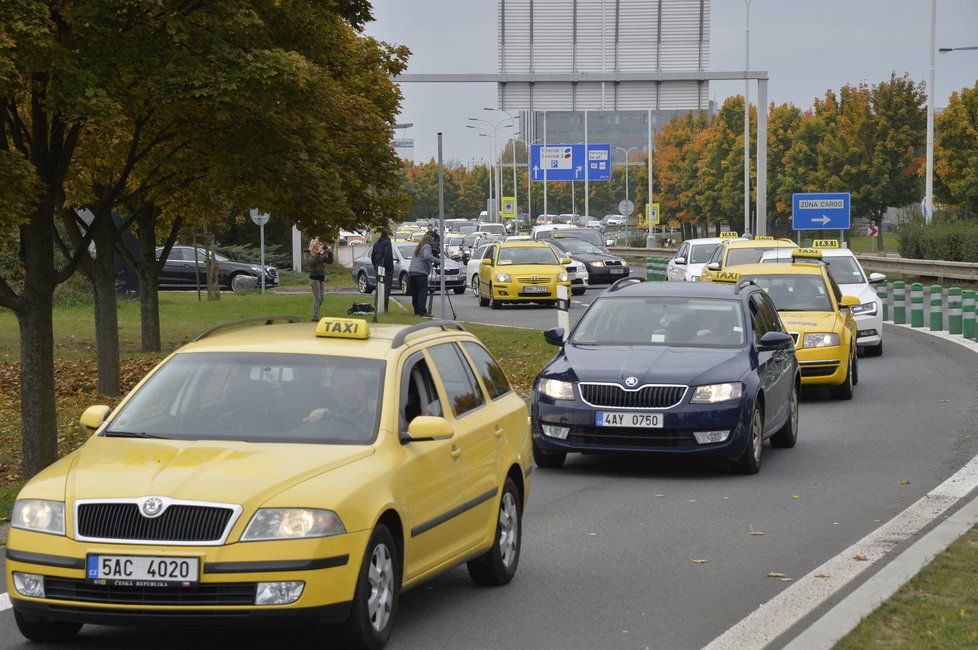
241 322
402 335
618 284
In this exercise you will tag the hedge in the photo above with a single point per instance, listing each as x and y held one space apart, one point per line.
952 241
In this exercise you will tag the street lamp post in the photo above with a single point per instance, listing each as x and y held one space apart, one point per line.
627 153
516 196
929 182
747 122
490 132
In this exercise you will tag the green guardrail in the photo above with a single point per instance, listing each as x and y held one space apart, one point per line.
968 314
956 315
936 308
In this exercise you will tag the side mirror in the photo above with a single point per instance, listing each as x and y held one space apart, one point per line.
554 336
486 262
876 278
679 260
428 427
566 260
713 266
775 341
849 301
93 417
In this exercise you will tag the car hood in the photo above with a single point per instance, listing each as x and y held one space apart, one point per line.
810 321
649 364
594 257
203 470
542 270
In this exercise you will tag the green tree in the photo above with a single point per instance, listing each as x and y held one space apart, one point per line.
956 152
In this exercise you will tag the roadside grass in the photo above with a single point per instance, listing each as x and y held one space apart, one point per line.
521 353
936 609
865 244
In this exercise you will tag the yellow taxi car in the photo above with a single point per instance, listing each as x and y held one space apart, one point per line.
284 474
405 234
521 271
816 314
741 251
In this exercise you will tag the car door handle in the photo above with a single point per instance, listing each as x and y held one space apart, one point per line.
456 452
498 431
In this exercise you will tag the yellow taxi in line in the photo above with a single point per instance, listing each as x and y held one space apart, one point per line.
741 251
289 473
816 314
521 271
405 234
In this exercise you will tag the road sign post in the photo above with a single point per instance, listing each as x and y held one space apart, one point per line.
821 211
508 208
260 219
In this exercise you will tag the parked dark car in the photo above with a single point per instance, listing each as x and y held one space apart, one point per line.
602 267
181 269
366 279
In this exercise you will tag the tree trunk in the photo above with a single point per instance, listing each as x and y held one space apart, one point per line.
213 273
106 308
38 408
149 308
877 220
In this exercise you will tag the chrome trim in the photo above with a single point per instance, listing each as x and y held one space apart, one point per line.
632 390
236 511
820 362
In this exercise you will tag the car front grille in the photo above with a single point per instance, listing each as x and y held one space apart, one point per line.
534 279
651 396
613 263
178 523
819 371
202 594
628 437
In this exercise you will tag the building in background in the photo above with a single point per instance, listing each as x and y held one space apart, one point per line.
403 146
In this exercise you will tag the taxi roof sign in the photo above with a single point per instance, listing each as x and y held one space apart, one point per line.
729 234
343 328
726 277
806 253
763 237
825 243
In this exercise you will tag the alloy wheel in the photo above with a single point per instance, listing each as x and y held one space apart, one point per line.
380 577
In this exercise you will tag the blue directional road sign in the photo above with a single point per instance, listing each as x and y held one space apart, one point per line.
567 162
820 211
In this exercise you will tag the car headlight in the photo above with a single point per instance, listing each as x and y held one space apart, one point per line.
557 389
713 393
597 265
503 277
563 277
820 339
865 308
292 523
39 515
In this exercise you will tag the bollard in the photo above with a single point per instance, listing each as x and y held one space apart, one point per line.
899 303
954 310
968 314
663 264
916 305
649 268
882 293
936 308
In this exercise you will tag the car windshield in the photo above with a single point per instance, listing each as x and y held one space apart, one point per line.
527 255
574 245
701 254
584 234
796 292
844 269
453 241
744 256
407 249
662 321
494 228
257 397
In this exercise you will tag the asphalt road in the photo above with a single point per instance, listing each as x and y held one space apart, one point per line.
609 542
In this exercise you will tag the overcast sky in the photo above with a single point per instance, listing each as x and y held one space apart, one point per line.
807 46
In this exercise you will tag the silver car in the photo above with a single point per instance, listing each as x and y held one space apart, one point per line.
366 279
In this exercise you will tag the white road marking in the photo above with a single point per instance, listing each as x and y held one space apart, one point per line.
5 601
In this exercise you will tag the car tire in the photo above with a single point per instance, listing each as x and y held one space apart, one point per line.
578 292
363 284
750 461
549 459
230 284
875 350
375 599
845 390
498 566
458 290
475 286
855 369
787 435
493 303
405 289
45 631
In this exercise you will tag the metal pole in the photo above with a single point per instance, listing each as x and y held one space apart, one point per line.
651 226
296 250
196 266
516 191
747 123
573 201
542 163
529 181
261 236
492 180
929 183
441 226
761 157
587 174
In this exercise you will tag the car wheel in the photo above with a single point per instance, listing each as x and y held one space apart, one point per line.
45 631
750 461
875 351
548 459
375 599
363 286
404 284
493 303
498 566
231 278
578 292
787 435
475 286
845 390
459 290
855 369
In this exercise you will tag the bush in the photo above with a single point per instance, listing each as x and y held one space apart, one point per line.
952 241
275 255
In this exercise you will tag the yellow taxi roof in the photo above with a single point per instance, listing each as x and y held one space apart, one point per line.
761 243
786 268
524 244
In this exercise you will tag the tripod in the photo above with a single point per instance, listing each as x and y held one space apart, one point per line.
431 300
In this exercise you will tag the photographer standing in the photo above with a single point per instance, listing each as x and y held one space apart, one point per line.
317 259
421 265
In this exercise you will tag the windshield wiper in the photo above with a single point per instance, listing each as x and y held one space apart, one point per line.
131 434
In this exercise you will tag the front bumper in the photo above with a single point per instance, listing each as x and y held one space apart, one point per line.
674 439
328 566
517 292
826 366
607 274
869 329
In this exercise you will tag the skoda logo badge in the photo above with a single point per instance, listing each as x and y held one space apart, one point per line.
631 382
152 507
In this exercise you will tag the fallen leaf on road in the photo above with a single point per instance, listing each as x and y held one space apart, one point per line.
699 561
659 494
756 533
795 496
904 482
822 575
692 500
861 558
776 574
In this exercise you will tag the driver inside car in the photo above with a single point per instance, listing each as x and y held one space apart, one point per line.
348 393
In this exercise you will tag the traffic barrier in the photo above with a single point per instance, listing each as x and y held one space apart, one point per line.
899 303
650 268
916 305
968 314
936 308
881 291
563 307
954 310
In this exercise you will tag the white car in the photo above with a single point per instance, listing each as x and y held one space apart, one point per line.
576 270
848 273
688 262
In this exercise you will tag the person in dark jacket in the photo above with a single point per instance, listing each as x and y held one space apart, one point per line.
418 271
317 259
382 257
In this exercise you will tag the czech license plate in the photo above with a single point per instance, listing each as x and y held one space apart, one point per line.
617 271
530 288
633 420
138 568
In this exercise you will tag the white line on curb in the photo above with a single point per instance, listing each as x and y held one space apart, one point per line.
5 602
